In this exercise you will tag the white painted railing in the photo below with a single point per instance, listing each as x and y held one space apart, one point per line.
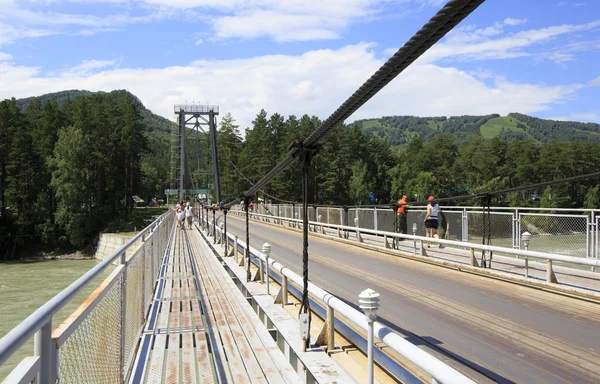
439 371
526 254
97 342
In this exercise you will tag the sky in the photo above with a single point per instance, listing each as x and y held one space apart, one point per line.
305 56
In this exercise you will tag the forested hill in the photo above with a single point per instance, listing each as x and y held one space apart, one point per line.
151 121
400 130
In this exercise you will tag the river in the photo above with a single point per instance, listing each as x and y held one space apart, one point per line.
25 286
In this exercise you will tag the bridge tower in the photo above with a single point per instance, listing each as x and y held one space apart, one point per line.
192 121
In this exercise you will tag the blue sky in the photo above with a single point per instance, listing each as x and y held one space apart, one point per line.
296 57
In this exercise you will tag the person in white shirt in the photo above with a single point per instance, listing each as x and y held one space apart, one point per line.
189 215
431 220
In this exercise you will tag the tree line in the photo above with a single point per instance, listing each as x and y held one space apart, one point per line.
66 170
352 163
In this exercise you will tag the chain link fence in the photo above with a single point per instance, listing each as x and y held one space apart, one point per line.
91 354
564 234
568 234
97 344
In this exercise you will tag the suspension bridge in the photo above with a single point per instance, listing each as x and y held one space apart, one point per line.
280 294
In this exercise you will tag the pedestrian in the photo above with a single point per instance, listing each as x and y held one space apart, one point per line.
401 217
180 219
189 215
431 220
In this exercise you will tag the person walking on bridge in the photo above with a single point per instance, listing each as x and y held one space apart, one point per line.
189 215
431 220
401 217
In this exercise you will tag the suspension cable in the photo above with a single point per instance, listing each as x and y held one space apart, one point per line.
440 24
252 184
306 155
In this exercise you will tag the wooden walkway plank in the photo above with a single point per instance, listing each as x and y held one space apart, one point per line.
235 360
269 353
236 317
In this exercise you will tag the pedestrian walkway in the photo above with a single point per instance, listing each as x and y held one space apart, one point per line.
200 330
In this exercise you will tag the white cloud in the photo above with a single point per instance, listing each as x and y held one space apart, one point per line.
588 117
89 66
595 82
513 21
5 56
316 82
199 42
483 44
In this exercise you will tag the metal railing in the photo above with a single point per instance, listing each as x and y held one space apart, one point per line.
96 343
572 232
358 232
439 371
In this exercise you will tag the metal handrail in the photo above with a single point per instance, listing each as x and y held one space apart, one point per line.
440 371
492 248
19 335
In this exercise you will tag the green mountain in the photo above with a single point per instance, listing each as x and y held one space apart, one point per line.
151 121
399 130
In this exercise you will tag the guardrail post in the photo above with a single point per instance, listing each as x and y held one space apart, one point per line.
220 233
375 219
45 347
282 296
345 221
327 334
422 249
266 248
358 237
550 276
123 261
473 260
226 250
235 249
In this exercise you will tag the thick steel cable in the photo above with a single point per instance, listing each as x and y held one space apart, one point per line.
305 305
440 24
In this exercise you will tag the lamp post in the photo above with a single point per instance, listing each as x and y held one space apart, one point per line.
369 303
525 237
414 228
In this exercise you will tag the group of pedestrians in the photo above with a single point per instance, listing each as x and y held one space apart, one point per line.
434 218
183 212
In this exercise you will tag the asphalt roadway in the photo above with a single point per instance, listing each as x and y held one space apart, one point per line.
492 331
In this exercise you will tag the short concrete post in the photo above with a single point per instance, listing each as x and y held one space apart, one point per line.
473 260
414 229
358 237
282 296
221 233
235 249
266 248
331 324
526 237
550 276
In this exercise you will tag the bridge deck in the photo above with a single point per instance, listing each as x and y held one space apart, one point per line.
491 330
200 330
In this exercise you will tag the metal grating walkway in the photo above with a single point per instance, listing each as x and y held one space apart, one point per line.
201 329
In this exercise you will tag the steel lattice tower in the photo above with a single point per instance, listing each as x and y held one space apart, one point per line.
193 118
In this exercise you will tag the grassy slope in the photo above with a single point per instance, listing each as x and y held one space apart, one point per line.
493 127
